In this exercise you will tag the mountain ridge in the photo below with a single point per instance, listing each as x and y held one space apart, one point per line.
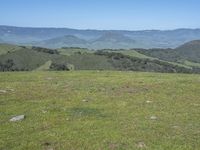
142 38
87 29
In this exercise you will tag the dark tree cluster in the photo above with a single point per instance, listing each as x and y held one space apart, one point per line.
61 67
9 65
45 50
124 62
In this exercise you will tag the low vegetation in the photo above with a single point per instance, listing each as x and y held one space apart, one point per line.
99 110
184 59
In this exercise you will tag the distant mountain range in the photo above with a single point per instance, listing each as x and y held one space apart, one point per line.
64 41
96 39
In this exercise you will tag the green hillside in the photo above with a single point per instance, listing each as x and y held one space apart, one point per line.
192 64
135 53
186 52
36 58
186 55
28 59
5 48
131 52
99 110
190 51
90 62
20 58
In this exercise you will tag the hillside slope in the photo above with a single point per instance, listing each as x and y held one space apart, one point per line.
187 52
33 58
7 48
190 51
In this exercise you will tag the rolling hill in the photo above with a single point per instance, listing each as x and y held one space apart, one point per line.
107 40
114 37
36 58
188 52
65 41
113 40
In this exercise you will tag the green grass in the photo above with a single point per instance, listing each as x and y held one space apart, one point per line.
92 110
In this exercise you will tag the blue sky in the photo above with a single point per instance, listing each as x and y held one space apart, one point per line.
102 14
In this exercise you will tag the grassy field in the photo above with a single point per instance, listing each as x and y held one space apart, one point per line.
94 110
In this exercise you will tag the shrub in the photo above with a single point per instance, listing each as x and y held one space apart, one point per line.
61 67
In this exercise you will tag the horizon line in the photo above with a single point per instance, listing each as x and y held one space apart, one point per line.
53 27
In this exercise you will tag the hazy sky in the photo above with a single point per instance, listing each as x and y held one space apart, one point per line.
102 14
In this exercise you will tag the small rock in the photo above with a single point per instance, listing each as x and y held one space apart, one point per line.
44 111
3 91
175 127
11 90
153 117
196 104
84 100
46 144
148 102
17 118
141 145
49 78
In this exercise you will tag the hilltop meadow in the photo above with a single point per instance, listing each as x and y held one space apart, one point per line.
99 110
